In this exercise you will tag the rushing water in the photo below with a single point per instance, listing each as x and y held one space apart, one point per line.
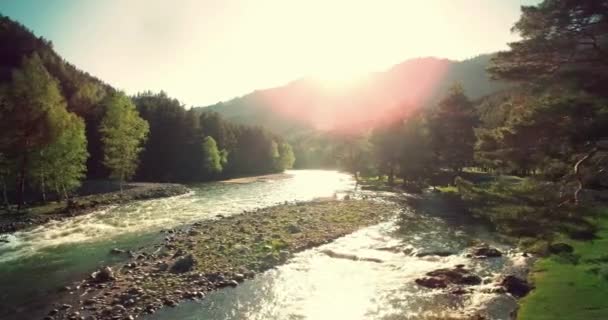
36 263
313 285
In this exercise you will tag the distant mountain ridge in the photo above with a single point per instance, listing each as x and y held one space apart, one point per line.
306 104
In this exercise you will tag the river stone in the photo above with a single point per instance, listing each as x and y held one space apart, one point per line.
117 251
434 253
104 274
432 282
441 278
292 228
486 252
515 286
183 264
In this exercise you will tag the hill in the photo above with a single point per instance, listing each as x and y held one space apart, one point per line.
307 104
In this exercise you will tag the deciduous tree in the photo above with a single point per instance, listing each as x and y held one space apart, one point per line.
123 134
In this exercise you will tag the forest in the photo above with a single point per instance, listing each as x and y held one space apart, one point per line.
61 125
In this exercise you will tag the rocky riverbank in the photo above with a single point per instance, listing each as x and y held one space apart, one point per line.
14 221
212 254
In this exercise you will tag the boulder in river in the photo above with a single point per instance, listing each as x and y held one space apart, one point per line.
486 252
517 287
432 282
184 264
439 253
441 278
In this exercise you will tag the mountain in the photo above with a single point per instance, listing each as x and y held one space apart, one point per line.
307 104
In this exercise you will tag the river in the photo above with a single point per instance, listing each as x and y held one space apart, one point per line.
36 263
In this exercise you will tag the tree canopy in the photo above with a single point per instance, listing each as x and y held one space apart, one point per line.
123 134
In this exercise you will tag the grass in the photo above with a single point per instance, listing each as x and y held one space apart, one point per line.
572 289
526 210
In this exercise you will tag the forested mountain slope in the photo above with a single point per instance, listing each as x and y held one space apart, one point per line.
307 104
82 91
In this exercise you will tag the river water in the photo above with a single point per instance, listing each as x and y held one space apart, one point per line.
36 263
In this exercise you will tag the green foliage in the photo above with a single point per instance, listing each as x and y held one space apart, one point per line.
123 133
386 149
355 155
31 117
452 126
212 161
62 164
560 40
179 146
286 157
416 157
30 108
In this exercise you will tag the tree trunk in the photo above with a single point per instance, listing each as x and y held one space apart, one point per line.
4 193
391 175
65 194
21 181
579 176
58 192
43 187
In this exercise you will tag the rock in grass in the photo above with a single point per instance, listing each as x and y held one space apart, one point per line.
515 286
292 228
184 264
558 248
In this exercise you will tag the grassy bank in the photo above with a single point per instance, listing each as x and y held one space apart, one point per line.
569 285
572 287
525 210
212 254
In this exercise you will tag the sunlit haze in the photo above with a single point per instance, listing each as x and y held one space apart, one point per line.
206 51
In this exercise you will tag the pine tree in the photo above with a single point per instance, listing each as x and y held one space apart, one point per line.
452 126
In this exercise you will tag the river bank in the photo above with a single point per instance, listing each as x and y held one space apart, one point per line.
213 254
54 211
570 277
572 284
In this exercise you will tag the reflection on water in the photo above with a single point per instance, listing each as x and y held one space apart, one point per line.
315 286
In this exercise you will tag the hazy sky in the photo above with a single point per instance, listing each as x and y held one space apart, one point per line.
204 51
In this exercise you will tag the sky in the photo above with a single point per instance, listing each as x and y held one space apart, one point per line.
205 51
